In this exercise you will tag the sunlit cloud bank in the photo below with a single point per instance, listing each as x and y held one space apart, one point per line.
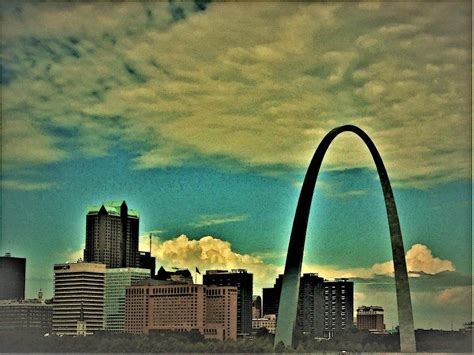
256 83
210 252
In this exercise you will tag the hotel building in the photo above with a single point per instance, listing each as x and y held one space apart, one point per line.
268 321
156 305
370 318
324 307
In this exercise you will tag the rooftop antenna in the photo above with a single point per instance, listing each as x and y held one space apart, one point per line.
150 243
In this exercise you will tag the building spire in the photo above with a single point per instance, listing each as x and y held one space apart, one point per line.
81 314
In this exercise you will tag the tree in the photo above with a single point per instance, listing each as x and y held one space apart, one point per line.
261 332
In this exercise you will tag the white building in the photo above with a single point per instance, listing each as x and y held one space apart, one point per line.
268 321
77 284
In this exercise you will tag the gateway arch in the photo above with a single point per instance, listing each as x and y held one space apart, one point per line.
291 280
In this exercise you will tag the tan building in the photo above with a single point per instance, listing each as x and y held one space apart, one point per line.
26 315
78 285
181 307
267 321
370 318
221 312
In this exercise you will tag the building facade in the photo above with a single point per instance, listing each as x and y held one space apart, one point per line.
243 280
268 321
271 297
78 286
178 275
221 312
147 262
112 235
12 277
25 315
116 282
256 307
309 318
156 305
338 306
324 307
370 318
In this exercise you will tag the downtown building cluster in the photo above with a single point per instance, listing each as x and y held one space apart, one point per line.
115 289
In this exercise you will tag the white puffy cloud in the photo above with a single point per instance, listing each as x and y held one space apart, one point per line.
257 83
419 259
208 253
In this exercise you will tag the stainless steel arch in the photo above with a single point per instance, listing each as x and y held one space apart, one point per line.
291 279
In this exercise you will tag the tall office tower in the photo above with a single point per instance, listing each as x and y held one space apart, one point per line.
338 306
112 235
116 283
147 262
26 315
370 318
256 307
324 307
157 305
12 277
78 286
309 319
244 283
271 297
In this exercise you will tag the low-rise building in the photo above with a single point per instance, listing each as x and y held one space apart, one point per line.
25 315
267 321
370 318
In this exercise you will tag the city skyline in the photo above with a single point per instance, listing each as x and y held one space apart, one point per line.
204 119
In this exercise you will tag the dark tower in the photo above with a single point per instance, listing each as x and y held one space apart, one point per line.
12 277
244 283
112 235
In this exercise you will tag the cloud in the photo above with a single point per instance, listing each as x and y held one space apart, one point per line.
209 253
26 185
419 259
211 220
455 295
256 84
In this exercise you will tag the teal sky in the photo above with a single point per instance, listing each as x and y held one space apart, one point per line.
204 116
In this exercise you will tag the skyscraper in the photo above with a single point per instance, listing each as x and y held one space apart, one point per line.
338 306
78 293
116 282
244 283
271 297
324 307
12 277
112 235
256 307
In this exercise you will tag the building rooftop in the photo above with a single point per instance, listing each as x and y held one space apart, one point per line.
112 208
233 271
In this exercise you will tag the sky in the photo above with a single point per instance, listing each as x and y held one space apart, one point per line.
204 116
